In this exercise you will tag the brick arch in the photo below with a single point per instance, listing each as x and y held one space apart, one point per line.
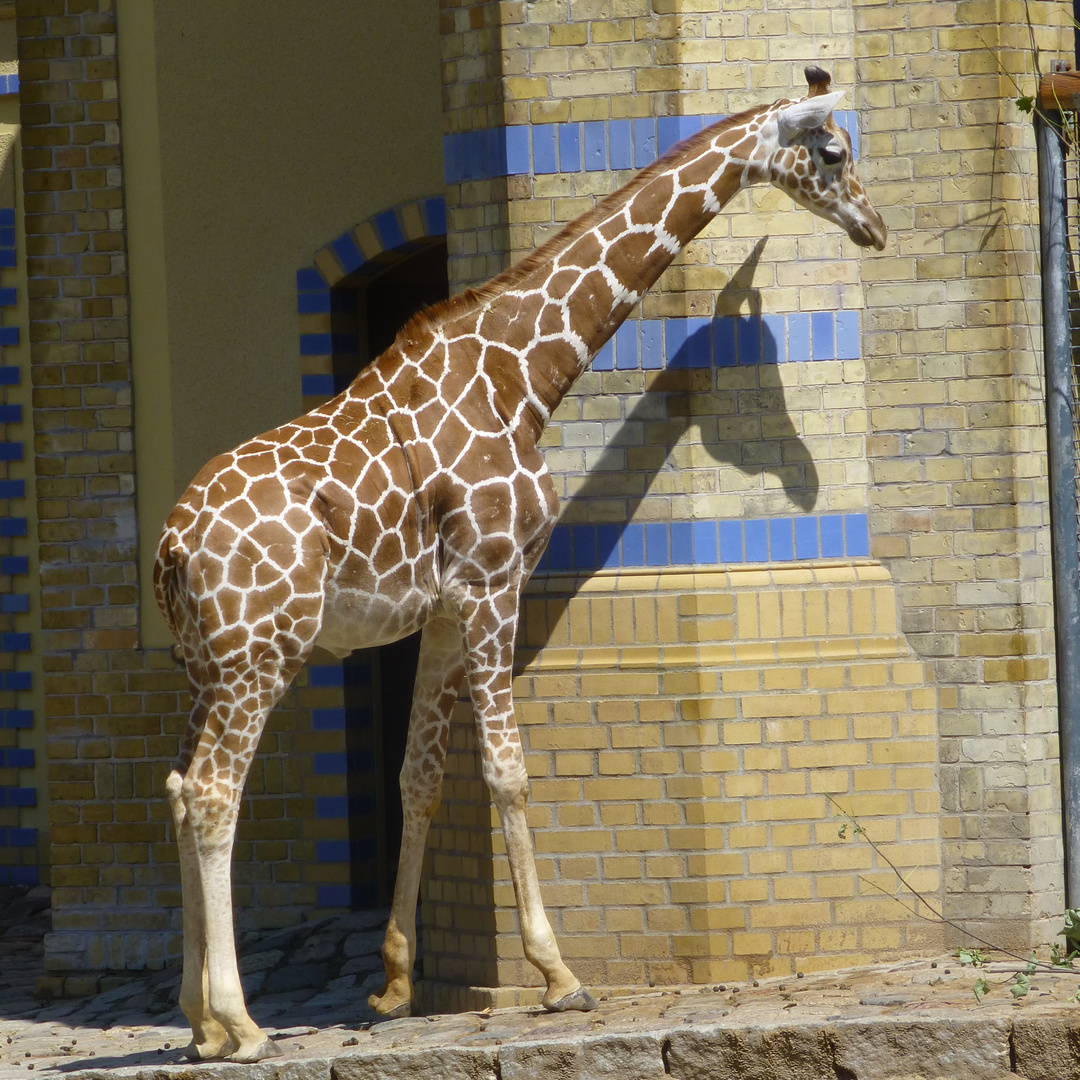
367 249
337 693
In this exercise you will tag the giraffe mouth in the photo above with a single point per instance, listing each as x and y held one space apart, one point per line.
869 234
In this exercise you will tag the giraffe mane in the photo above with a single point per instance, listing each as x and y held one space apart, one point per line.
430 318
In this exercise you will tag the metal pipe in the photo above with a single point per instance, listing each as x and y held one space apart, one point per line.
1065 549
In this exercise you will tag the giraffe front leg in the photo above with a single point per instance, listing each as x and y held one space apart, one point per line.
209 1038
489 629
438 678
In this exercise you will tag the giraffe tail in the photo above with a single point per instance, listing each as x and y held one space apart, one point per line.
171 558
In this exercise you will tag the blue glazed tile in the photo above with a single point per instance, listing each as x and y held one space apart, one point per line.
689 125
675 333
848 338
14 565
604 360
451 159
317 385
705 547
332 806
823 327
7 236
570 148
12 489
10 414
699 342
773 346
584 542
309 278
9 296
22 797
798 328
806 538
711 119
757 541
644 129
19 758
330 896
781 540
667 133
389 229
7 218
313 303
724 342
316 344
633 545
731 542
626 346
470 155
18 680
620 145
23 875
832 536
434 213
9 335
10 375
595 145
15 603
749 339
7 257
517 150
652 344
331 851
326 675
656 544
330 764
545 159
15 526
15 643
328 719
857 535
682 543
560 550
348 254
607 545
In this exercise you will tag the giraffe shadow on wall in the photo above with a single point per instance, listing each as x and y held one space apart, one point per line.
739 411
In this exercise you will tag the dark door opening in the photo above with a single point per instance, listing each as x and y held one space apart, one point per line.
379 682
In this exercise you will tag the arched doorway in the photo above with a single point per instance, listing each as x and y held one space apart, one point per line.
370 306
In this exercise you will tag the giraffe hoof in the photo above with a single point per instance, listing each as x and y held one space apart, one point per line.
208 1051
579 1000
263 1050
404 1009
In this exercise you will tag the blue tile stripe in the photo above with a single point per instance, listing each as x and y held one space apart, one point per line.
582 146
648 344
706 543
9 84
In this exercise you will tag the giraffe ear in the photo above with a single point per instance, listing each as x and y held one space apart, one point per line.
807 114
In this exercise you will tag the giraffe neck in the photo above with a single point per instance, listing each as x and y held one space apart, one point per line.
556 309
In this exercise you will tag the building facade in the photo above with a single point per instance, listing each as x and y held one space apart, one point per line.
799 597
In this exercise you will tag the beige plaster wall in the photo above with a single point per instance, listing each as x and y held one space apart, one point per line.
254 133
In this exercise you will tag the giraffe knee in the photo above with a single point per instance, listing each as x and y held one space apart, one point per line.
508 786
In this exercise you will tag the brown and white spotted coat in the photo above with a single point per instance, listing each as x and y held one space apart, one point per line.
418 499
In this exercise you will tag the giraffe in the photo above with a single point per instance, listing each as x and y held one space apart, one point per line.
417 499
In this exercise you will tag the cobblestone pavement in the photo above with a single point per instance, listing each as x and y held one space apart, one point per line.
308 985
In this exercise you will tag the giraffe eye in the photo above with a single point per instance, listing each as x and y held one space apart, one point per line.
832 154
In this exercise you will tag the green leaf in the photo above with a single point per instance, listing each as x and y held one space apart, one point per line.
1071 931
1020 986
971 956
1075 998
1025 104
842 832
981 989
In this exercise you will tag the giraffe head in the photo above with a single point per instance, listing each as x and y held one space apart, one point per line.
814 164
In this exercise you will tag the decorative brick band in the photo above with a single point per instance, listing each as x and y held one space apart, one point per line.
706 543
584 146
15 869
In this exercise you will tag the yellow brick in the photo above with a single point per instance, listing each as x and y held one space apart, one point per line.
757 757
787 783
897 752
720 917
828 728
612 763
736 734
748 890
748 836
790 835
786 809
744 786
872 727
740 680
866 701
767 862
569 764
